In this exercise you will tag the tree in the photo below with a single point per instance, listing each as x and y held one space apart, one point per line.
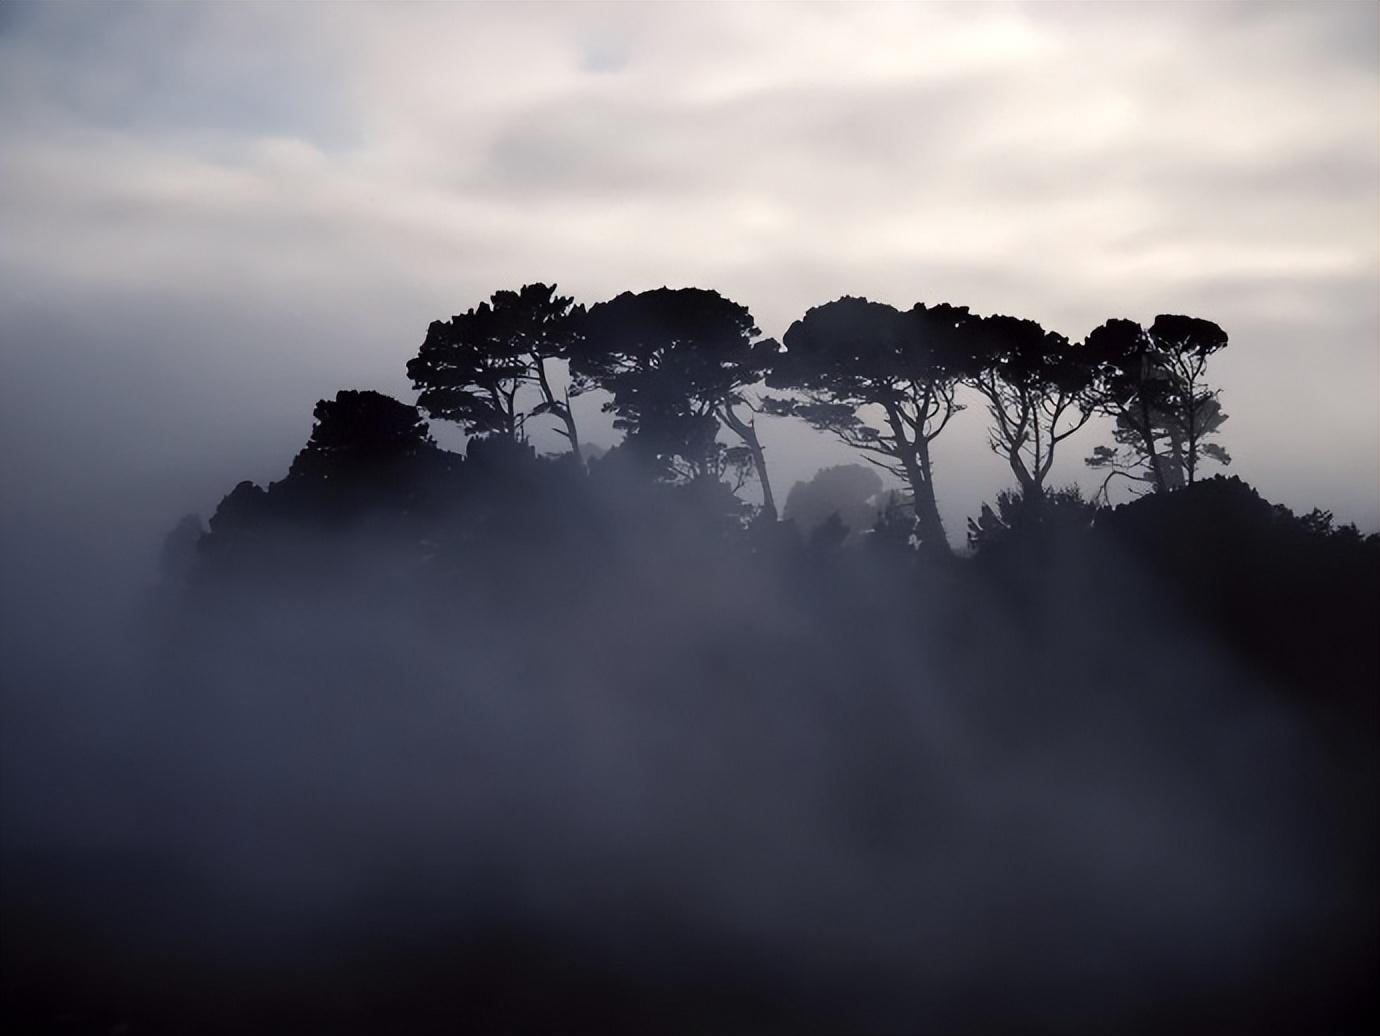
473 368
365 450
1035 383
852 356
1152 382
676 362
360 432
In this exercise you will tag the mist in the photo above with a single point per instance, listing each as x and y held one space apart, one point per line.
497 740
598 763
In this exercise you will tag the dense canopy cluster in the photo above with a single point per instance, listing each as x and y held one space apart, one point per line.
686 373
678 368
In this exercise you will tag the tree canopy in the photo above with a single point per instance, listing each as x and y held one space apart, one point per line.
678 367
675 363
1035 383
360 431
473 369
883 382
1152 382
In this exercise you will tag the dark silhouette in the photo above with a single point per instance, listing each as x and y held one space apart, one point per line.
1151 381
1036 385
473 368
850 354
360 437
676 362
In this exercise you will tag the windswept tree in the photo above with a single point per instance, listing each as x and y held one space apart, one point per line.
1035 383
478 368
853 362
676 362
1152 381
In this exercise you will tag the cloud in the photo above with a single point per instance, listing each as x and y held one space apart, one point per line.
349 175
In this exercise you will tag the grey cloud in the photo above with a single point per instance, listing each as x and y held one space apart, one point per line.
1335 30
146 69
594 145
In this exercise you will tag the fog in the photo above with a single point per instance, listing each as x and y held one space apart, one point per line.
614 771
647 771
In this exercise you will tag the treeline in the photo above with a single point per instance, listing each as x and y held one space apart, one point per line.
682 370
686 373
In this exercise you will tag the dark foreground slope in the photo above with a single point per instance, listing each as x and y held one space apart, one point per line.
493 745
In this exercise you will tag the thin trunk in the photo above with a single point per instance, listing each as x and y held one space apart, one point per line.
1033 488
1174 478
561 409
747 431
1192 435
571 432
932 537
1147 434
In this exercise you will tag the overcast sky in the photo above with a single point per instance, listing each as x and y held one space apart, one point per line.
212 215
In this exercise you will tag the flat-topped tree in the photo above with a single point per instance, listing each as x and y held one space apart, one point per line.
474 368
1035 383
1152 381
854 362
365 449
360 431
676 362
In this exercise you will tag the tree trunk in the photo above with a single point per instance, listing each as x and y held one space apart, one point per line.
1031 482
747 431
933 540
1192 458
915 461
1032 488
571 432
1147 434
562 410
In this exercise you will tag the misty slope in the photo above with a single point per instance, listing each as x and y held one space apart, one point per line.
426 743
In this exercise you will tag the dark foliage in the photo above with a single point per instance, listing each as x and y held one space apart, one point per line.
473 368
1293 597
1036 385
675 362
1152 382
853 353
370 462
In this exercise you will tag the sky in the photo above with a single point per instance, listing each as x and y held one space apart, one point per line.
213 215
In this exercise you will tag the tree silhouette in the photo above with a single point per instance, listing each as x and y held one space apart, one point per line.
367 452
853 354
473 368
676 362
1035 383
1152 382
357 434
